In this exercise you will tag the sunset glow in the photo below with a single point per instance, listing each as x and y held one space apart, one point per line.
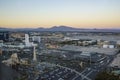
48 13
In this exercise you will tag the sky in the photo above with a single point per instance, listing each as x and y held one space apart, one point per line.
48 13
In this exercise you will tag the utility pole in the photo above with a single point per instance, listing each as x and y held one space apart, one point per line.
90 59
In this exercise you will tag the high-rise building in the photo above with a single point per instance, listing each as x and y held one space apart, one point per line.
4 36
36 39
27 43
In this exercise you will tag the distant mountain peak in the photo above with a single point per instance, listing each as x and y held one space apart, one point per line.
59 28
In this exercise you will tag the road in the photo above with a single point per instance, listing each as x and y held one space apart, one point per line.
92 71
63 73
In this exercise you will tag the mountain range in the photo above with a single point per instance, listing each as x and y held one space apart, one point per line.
60 28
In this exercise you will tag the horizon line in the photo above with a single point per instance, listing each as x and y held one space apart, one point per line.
55 26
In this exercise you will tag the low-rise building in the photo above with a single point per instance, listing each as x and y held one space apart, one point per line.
116 62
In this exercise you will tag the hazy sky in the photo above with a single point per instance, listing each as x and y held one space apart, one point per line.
48 13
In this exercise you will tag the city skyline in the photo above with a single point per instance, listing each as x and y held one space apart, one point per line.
48 13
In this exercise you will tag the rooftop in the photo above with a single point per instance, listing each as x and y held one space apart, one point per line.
107 51
116 61
7 73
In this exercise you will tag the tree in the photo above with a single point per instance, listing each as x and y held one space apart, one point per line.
106 76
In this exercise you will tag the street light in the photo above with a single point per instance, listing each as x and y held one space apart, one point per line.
90 59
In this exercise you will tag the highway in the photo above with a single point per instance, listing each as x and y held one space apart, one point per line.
92 71
65 73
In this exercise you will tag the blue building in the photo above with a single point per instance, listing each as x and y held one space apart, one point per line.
4 36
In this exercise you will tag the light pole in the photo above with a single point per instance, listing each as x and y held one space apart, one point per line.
90 59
